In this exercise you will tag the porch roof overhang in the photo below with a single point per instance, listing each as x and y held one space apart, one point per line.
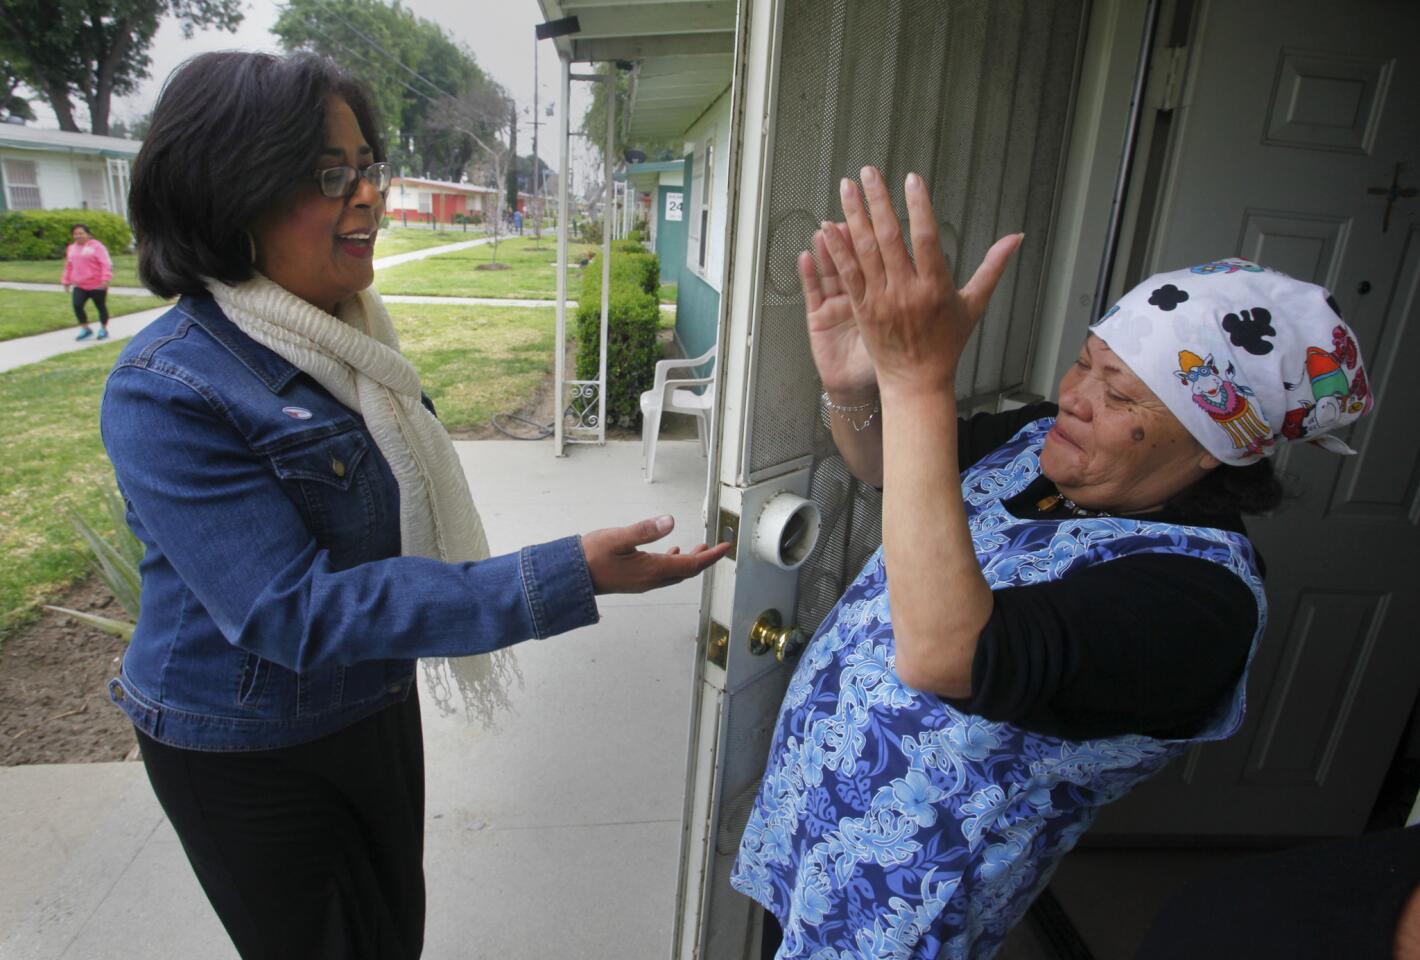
646 177
682 52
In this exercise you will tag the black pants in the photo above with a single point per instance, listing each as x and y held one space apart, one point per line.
309 851
100 298
772 936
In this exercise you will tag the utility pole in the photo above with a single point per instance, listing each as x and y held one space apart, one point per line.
537 171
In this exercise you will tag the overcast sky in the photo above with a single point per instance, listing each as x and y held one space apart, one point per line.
499 32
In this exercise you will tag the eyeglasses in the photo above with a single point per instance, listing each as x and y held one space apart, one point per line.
338 183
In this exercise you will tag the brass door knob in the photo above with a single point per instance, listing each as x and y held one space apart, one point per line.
769 633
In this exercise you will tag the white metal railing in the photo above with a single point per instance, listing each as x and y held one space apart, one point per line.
574 420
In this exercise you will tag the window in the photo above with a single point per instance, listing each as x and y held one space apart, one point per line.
707 179
22 185
692 202
91 188
426 201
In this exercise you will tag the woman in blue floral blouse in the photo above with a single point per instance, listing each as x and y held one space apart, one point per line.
1066 596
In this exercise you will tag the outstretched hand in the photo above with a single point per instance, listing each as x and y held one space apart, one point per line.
617 566
912 318
840 355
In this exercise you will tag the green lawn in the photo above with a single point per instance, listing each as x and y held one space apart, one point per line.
393 240
668 292
24 313
125 270
474 361
50 458
532 273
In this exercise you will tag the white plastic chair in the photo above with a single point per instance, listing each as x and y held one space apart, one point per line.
668 395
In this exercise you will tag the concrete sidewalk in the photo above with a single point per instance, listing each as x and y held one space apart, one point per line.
552 831
398 258
59 288
42 346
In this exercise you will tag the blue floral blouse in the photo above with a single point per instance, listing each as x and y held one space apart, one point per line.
890 824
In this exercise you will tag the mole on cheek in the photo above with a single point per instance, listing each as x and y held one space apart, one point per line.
1138 434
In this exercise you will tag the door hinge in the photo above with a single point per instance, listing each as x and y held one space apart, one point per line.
1170 66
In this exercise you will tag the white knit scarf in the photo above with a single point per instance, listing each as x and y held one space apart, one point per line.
356 357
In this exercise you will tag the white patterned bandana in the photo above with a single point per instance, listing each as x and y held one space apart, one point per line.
1244 356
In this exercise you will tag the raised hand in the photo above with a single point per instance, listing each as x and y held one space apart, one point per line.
617 566
912 318
840 355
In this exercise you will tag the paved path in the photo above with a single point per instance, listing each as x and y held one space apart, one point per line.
399 258
23 350
474 301
554 788
59 288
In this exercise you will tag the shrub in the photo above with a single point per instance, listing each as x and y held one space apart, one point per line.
640 270
590 231
638 235
632 319
633 316
628 246
43 234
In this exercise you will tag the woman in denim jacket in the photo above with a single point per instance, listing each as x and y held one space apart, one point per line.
308 530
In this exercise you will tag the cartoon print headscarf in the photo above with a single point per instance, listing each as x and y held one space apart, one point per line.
1244 356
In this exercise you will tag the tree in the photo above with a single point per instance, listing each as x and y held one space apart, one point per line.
482 115
410 66
94 49
136 129
594 122
12 102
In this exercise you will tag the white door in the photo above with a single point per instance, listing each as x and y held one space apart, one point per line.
972 94
1295 120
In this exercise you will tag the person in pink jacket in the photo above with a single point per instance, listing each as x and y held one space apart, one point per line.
88 270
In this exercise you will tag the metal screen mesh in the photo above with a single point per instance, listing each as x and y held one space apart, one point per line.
972 94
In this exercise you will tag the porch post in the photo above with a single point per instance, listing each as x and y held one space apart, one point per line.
607 194
564 137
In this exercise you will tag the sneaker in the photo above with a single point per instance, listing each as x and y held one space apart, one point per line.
103 333
84 334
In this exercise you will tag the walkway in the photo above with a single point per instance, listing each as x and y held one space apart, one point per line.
553 825
59 288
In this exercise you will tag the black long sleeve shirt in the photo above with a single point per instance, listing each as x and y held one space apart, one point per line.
1143 644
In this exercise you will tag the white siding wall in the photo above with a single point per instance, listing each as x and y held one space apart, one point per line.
403 198
57 174
714 127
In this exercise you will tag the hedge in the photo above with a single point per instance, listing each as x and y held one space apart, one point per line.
640 270
43 234
631 353
633 317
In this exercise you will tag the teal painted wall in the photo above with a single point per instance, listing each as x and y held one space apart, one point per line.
670 237
697 314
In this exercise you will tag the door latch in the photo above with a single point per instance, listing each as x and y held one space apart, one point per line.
769 633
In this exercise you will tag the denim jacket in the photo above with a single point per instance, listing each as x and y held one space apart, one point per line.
276 607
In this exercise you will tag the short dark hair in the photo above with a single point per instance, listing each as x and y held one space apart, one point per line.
231 134
83 226
1252 489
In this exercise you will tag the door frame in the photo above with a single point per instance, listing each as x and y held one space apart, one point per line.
1116 51
750 149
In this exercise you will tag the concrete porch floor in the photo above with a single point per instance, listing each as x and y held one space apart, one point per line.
553 792
552 828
